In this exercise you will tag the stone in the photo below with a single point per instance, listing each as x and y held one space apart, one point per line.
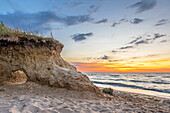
18 77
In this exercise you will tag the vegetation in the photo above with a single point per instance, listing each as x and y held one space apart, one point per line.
6 31
1 90
108 91
156 100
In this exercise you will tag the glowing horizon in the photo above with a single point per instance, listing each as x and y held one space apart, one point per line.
140 67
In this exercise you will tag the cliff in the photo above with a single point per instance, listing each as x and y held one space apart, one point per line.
40 60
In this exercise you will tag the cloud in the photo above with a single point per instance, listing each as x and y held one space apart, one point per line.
146 41
105 57
161 22
101 21
124 20
92 6
143 5
81 37
157 35
126 47
113 51
133 41
41 19
114 24
93 9
137 21
119 22
73 20
73 3
142 42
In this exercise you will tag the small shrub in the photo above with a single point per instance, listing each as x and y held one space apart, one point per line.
1 90
156 100
40 38
108 91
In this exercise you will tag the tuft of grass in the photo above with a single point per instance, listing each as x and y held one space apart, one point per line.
156 100
1 90
108 91
150 98
153 99
6 31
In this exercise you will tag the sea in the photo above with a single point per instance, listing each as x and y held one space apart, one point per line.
155 84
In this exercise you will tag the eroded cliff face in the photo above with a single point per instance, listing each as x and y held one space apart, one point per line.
40 60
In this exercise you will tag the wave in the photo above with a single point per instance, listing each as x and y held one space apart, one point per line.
132 86
137 81
165 76
149 76
117 79
115 76
149 82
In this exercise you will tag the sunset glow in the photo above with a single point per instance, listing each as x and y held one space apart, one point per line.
162 66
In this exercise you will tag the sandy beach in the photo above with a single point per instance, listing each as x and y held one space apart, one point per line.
34 98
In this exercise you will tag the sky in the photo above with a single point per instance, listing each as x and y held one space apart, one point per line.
119 36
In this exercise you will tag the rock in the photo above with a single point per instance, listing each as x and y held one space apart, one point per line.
41 62
18 77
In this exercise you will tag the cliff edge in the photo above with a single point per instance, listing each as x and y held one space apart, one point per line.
41 62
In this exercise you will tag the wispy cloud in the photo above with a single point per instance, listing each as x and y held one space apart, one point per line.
81 37
162 22
124 20
41 19
73 3
113 51
119 22
115 24
101 21
143 5
157 35
105 57
126 47
137 21
93 9
140 40
135 40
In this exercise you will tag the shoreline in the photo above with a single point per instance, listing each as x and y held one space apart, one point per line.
136 91
37 98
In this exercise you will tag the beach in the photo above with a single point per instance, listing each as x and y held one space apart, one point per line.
84 56
155 84
34 98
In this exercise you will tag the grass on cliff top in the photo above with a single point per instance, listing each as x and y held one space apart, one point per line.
6 31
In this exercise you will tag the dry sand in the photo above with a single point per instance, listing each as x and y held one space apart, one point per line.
34 98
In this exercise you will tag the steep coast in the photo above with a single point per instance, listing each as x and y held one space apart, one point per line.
40 60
